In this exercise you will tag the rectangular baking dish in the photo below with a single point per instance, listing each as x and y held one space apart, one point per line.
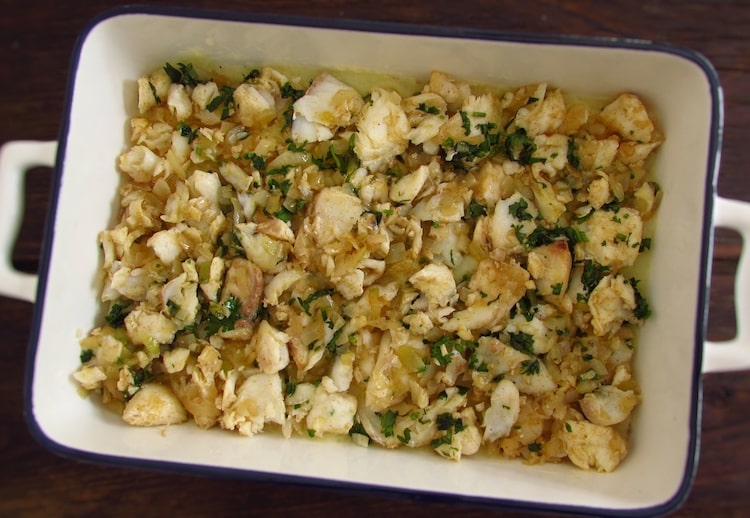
122 45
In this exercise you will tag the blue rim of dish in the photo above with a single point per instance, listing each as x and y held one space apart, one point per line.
717 118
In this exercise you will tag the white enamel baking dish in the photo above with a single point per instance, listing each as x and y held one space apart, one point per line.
120 46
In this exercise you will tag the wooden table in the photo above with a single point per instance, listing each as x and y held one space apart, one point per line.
36 41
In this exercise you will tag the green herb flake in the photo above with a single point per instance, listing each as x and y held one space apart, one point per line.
289 92
476 209
404 439
284 169
258 161
387 421
432 110
224 316
117 313
642 310
519 210
157 100
183 74
521 148
291 387
314 296
296 148
173 307
358 429
283 186
331 346
251 76
593 272
442 350
139 377
86 355
476 365
445 421
225 100
530 367
521 341
186 131
465 123
573 158
285 214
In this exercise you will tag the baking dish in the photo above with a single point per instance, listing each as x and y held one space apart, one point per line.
679 85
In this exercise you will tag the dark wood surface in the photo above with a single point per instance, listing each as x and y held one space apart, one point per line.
36 42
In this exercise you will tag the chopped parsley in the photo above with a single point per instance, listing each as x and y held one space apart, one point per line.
139 377
358 429
432 110
442 350
520 147
225 99
343 162
593 272
404 439
282 186
331 346
296 148
475 364
446 421
86 355
521 341
117 313
258 161
224 316
526 305
183 74
541 236
476 209
572 155
186 131
519 210
289 92
466 153
387 421
173 307
613 206
157 100
450 425
642 310
314 296
530 367
251 76
465 123
284 169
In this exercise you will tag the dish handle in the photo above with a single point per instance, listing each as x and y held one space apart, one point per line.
733 354
16 158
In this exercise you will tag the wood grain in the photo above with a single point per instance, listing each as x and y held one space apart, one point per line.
36 41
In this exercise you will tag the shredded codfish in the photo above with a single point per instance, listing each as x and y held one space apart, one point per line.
449 270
